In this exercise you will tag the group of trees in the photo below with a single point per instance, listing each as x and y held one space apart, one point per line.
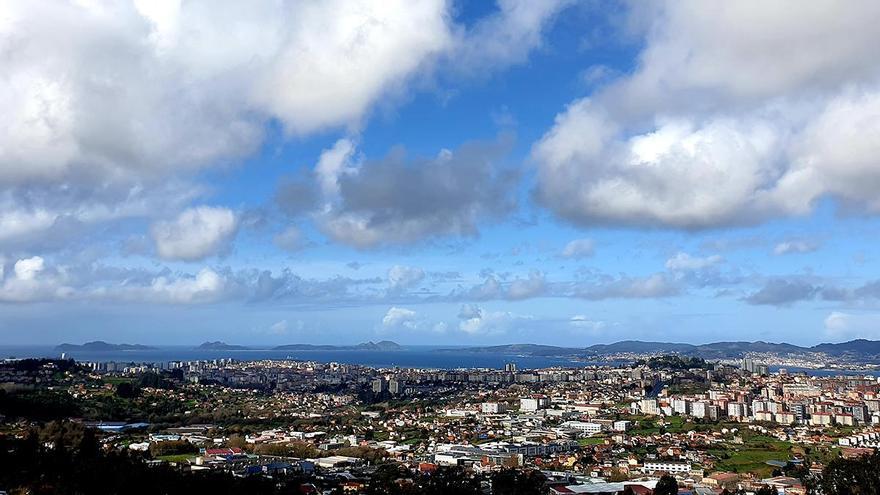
394 479
46 404
31 365
859 476
674 362
66 458
150 379
40 405
841 476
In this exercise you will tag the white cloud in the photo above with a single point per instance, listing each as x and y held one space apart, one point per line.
106 103
206 286
699 54
332 164
582 322
404 277
37 279
279 327
489 289
43 216
28 268
711 130
406 319
490 322
507 36
468 311
626 287
533 286
400 318
685 262
17 223
192 82
32 281
195 234
377 44
579 248
679 174
846 326
103 99
795 246
284 327
837 322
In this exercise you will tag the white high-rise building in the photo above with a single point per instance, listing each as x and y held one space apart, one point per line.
681 406
649 406
493 408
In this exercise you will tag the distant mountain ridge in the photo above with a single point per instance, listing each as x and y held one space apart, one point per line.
220 346
384 345
717 350
858 347
101 346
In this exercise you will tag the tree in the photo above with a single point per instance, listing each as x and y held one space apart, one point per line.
766 490
666 486
617 476
859 476
236 441
126 390
30 466
516 482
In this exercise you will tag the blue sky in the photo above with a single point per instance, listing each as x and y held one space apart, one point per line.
438 172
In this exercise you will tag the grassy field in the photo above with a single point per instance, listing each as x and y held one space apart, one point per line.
591 441
752 456
176 457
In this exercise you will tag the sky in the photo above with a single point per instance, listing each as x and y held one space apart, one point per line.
439 172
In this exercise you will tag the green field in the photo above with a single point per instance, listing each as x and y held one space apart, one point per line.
591 441
752 456
176 457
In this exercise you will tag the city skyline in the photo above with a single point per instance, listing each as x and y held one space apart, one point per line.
450 173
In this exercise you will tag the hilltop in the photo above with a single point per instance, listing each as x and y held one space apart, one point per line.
101 346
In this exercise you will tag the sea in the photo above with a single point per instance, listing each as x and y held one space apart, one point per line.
424 357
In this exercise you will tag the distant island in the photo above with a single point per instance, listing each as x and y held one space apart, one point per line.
101 346
384 345
860 348
220 346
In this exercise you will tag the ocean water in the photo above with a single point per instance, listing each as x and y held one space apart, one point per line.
409 357
825 372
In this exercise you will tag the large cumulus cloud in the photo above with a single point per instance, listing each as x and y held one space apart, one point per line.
735 113
195 234
108 103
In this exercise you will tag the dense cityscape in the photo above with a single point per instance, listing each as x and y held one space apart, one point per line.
288 426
